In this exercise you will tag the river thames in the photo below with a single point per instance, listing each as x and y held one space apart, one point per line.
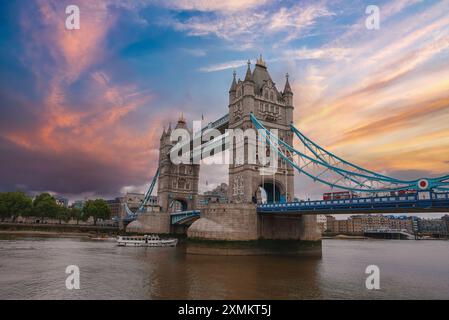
34 268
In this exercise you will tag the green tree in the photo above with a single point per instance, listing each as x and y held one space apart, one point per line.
77 215
97 209
13 204
63 214
45 206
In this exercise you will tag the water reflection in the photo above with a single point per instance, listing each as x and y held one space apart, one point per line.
237 277
34 268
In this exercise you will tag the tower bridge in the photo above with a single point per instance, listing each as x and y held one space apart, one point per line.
256 103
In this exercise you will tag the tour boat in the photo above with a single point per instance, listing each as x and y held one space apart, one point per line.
145 241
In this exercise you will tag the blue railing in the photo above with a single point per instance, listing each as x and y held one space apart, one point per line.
427 201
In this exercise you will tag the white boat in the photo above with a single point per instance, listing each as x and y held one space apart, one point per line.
145 241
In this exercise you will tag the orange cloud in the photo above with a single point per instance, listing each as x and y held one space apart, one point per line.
384 104
98 132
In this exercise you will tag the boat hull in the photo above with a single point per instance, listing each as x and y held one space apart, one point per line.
150 243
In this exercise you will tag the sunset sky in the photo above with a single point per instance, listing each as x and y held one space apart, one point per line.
81 111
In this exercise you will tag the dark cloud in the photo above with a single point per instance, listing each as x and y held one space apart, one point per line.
68 172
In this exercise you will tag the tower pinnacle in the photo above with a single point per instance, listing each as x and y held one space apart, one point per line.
261 62
248 72
181 118
234 83
287 88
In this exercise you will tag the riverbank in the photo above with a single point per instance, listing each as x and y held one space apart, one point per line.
60 230
44 234
363 237
344 237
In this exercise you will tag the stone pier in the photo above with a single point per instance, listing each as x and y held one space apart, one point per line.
278 227
158 222
240 222
232 222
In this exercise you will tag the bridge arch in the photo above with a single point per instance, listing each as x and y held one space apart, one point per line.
270 191
178 204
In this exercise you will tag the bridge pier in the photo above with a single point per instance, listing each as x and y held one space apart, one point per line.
157 222
240 222
278 227
179 229
231 222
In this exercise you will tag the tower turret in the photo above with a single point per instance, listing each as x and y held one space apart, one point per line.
181 122
233 89
287 89
248 83
163 133
288 99
261 62
248 76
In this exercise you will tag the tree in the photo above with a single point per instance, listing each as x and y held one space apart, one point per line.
77 215
63 214
45 206
3 210
97 209
14 204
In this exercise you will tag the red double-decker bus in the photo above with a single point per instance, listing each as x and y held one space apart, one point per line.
339 195
402 192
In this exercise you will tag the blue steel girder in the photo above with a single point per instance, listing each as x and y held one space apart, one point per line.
130 215
321 153
349 177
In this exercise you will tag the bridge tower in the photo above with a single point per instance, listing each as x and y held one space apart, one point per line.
177 184
258 94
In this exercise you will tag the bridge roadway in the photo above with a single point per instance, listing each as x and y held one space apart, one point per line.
421 202
424 202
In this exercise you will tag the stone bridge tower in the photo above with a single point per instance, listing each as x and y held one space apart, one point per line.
257 93
177 184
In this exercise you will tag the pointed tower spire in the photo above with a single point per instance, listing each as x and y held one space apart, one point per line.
181 122
287 88
248 76
163 132
261 62
288 93
234 83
